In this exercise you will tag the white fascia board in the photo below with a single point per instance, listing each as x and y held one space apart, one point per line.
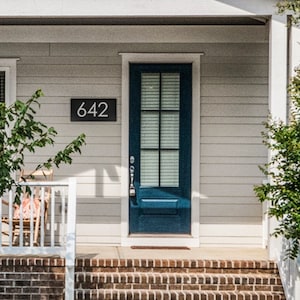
125 8
133 34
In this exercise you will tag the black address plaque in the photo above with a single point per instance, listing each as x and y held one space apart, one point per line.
99 110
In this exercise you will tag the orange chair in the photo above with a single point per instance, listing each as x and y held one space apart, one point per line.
29 213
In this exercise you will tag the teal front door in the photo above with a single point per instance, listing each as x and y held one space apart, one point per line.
160 148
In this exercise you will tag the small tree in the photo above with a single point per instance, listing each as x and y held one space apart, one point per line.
283 190
20 132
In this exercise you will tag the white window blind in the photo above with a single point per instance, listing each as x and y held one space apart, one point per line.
160 119
2 86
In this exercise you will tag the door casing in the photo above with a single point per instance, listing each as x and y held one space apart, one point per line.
191 240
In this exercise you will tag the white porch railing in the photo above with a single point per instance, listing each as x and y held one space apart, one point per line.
290 273
57 234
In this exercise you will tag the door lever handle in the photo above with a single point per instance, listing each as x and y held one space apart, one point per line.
132 192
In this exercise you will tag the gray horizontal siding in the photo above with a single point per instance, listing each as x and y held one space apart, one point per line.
233 106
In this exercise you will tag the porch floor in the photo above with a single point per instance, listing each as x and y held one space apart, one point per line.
115 252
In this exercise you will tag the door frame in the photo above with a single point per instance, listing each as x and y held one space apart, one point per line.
191 240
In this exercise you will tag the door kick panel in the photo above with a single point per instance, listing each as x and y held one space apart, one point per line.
159 206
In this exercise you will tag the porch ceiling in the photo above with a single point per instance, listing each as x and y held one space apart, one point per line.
228 20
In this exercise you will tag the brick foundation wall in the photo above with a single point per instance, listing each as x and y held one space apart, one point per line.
141 279
32 278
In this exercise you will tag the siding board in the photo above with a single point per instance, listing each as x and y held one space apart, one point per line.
231 70
56 81
231 130
253 121
253 180
228 190
230 210
234 90
64 70
221 150
234 80
237 219
234 110
234 100
230 170
24 50
75 90
228 200
59 60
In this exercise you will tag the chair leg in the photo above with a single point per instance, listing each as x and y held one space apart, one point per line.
37 229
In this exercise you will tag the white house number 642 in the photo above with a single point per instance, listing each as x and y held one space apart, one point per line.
97 110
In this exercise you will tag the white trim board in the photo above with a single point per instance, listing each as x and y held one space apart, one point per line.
161 240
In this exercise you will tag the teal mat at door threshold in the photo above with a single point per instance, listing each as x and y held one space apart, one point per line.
159 248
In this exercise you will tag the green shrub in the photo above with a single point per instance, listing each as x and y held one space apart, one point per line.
283 170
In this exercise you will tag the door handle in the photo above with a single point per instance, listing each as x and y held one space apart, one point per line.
132 192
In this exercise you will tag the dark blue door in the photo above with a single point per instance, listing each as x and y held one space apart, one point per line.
160 148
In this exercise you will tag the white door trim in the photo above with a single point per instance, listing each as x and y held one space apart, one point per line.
161 240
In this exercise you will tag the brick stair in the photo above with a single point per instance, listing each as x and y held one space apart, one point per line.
177 279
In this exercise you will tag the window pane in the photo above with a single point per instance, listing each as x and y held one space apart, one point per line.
149 168
169 168
150 91
170 130
150 130
170 91
2 86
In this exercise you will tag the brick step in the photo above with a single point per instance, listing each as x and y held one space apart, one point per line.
176 266
113 294
179 281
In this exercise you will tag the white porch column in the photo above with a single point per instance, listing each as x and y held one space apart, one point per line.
278 41
295 62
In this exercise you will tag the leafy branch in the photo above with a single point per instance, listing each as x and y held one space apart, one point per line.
20 132
292 6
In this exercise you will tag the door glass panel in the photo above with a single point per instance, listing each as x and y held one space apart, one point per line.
170 130
150 92
169 168
149 168
160 104
170 91
150 130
